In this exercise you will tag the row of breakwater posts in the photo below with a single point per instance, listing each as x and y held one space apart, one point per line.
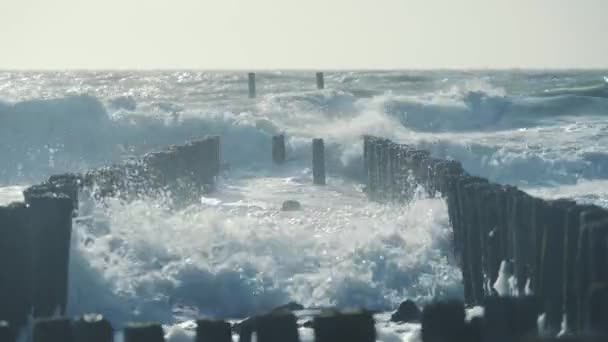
251 83
493 225
551 255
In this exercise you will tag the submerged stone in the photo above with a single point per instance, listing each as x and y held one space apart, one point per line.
291 205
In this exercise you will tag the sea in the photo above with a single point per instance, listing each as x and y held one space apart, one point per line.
234 253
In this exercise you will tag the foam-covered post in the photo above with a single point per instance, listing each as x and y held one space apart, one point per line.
7 334
251 83
444 321
213 331
277 327
50 219
474 239
451 194
371 164
356 326
15 265
215 158
93 328
143 332
584 277
551 269
278 149
522 216
318 161
67 184
320 81
491 236
53 330
569 283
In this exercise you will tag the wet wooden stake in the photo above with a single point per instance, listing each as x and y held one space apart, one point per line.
320 81
6 332
252 91
144 332
93 328
278 149
50 219
213 331
318 161
55 329
356 326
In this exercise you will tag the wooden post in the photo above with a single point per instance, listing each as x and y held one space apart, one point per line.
50 219
215 157
551 269
371 165
277 327
444 321
16 265
584 277
318 162
278 149
93 328
252 91
598 275
213 331
144 332
508 319
320 81
570 280
54 329
6 332
357 326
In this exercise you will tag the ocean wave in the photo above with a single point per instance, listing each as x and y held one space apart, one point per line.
239 255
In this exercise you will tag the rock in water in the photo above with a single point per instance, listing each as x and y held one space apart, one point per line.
291 205
407 312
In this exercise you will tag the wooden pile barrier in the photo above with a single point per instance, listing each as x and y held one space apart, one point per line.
35 234
554 249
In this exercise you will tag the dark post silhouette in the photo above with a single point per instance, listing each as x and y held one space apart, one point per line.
252 91
318 161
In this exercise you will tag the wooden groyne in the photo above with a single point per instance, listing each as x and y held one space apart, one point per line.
554 250
35 234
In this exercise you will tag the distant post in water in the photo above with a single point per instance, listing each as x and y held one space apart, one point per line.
278 149
252 92
320 81
318 161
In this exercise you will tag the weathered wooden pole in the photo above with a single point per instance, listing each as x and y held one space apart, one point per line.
318 161
552 262
215 159
588 218
320 81
251 79
598 274
277 327
508 319
570 281
278 149
356 326
16 265
54 329
444 321
213 331
144 332
50 220
7 334
93 328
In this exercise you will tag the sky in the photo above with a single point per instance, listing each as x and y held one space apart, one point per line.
303 34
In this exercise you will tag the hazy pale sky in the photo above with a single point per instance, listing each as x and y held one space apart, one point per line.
312 34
